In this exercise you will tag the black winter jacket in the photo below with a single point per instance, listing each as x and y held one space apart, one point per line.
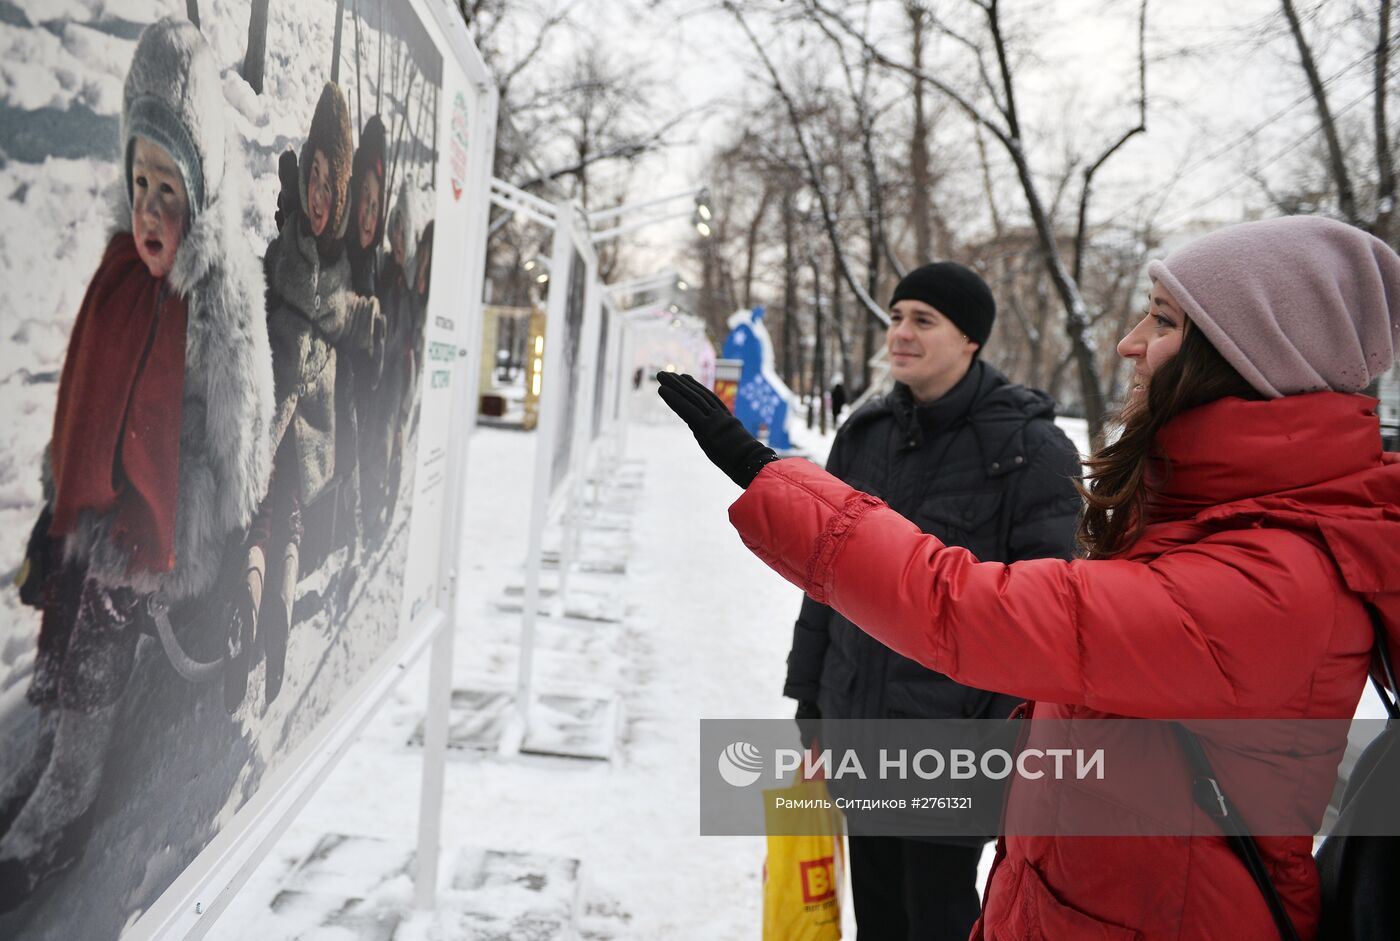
983 467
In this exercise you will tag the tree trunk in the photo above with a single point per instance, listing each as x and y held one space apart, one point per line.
379 79
918 146
875 234
838 320
818 384
1385 160
335 43
359 81
751 244
790 328
257 46
1346 198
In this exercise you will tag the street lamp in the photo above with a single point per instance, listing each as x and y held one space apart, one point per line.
540 263
701 214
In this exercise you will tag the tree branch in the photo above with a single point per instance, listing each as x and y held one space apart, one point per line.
1081 229
628 149
814 176
1385 160
1346 197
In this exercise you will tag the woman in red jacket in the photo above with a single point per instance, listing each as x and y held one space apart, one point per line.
1236 533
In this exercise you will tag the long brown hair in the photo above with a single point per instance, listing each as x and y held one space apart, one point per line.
1116 488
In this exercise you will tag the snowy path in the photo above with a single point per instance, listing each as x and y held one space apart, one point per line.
706 635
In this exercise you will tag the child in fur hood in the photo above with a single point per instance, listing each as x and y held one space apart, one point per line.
384 418
313 316
160 451
357 379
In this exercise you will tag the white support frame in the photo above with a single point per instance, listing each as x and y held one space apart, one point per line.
570 236
466 380
581 438
517 201
187 910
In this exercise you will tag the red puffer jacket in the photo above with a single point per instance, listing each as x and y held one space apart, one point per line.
1243 598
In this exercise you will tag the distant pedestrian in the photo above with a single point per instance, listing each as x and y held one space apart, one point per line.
838 397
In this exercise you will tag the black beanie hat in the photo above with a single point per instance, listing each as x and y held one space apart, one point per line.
955 292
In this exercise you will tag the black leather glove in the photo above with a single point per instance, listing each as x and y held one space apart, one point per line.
809 722
723 438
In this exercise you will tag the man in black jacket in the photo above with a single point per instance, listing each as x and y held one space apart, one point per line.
977 461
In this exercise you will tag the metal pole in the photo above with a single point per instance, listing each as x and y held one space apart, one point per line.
606 234
499 186
551 407
464 376
603 215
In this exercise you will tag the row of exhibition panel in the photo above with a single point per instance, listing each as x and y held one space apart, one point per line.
367 133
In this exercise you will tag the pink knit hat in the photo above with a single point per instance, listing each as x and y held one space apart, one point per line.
1298 304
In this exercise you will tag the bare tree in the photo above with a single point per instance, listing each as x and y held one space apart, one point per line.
813 172
1003 122
335 43
1346 198
256 56
877 241
918 139
1345 164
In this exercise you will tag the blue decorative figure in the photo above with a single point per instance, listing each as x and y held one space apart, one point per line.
762 397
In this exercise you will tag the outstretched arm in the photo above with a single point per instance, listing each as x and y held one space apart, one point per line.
1232 624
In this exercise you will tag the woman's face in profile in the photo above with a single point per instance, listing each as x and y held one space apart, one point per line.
1155 339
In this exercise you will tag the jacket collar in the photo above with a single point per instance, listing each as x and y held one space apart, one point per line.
995 409
920 419
1232 449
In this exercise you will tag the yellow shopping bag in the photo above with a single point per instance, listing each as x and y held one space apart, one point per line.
804 870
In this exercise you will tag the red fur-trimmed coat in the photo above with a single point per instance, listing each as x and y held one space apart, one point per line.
1242 599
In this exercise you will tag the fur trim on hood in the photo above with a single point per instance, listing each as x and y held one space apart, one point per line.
369 158
173 97
330 134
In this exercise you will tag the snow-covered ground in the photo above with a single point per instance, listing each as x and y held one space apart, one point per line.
706 632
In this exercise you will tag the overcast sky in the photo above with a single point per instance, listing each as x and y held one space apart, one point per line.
1220 96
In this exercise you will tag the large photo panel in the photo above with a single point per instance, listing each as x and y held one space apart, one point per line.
217 295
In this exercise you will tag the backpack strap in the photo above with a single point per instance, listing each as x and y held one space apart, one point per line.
1211 799
1388 697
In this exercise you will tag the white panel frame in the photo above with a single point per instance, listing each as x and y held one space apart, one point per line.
187 910
570 236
